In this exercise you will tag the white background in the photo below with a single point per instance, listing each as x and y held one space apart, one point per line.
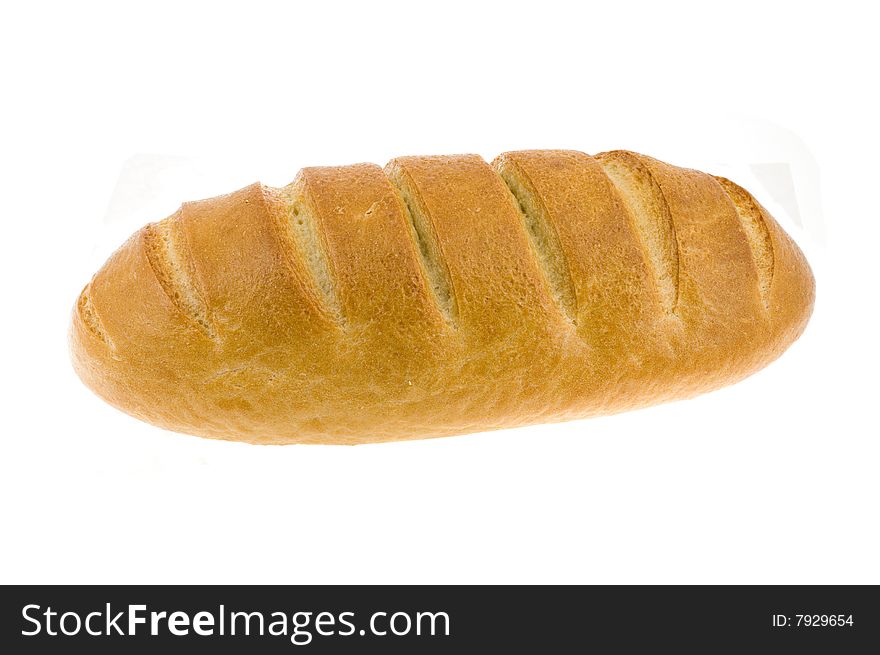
114 114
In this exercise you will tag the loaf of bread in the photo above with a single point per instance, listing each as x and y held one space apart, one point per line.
439 296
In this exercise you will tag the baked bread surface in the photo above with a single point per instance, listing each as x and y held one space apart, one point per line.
439 296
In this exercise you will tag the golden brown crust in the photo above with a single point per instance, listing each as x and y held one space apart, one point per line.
440 296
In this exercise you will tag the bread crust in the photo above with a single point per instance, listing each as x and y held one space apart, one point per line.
440 296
